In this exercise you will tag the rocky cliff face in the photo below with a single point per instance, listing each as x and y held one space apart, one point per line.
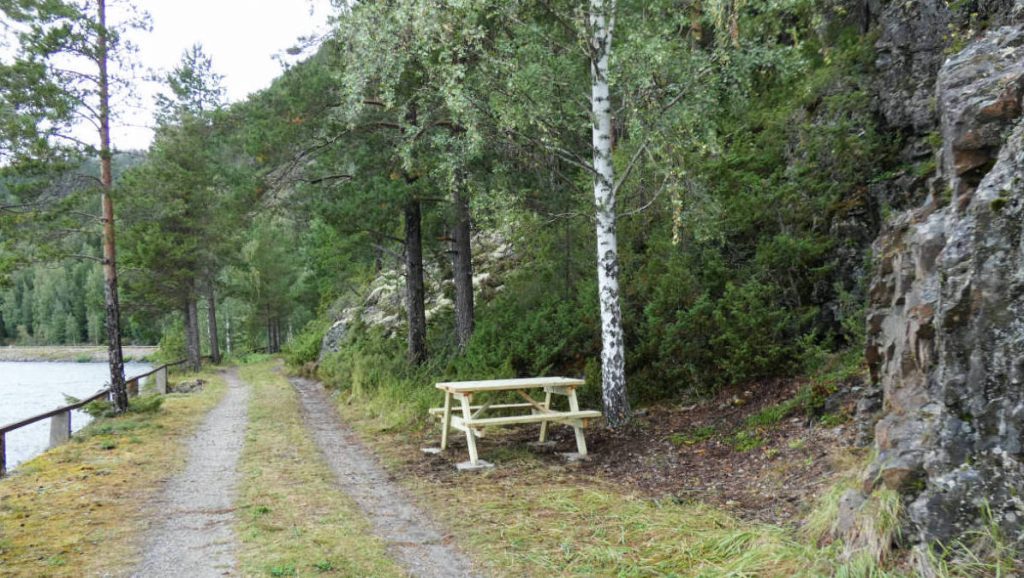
946 318
914 39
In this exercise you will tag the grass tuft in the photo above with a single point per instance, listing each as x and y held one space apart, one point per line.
985 552
692 437
299 522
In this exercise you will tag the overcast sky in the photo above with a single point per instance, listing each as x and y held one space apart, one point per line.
241 37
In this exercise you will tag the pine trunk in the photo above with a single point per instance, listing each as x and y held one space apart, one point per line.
118 390
414 288
270 334
192 351
211 303
613 357
462 267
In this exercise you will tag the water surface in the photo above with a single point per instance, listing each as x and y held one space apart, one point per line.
29 388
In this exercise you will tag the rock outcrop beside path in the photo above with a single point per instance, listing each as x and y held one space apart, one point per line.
946 318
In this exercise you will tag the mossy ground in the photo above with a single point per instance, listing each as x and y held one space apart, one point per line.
82 508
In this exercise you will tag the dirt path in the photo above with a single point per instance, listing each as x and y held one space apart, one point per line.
411 537
193 535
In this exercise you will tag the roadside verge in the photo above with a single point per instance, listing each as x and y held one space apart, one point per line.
80 509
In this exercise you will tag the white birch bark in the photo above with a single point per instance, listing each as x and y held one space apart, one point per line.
613 356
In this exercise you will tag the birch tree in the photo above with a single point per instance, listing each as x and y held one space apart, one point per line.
613 353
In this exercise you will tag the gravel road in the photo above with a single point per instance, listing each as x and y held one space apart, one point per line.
193 534
411 537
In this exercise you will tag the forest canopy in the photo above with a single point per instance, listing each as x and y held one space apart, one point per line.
417 132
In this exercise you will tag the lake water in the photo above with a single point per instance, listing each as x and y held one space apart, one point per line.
29 388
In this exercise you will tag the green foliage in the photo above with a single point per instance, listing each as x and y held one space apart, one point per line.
693 437
806 401
282 570
195 88
745 440
531 330
746 131
373 369
250 358
55 293
54 305
172 343
102 408
305 347
772 414
146 404
324 565
834 419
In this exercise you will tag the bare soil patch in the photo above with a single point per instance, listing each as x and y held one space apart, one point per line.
694 451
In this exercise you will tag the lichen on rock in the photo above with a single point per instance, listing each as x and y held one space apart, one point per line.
946 319
383 305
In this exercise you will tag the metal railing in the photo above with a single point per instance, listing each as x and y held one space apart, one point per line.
60 418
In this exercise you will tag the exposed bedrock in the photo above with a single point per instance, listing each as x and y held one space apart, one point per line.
946 316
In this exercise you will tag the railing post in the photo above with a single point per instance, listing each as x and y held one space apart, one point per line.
3 454
133 388
60 428
161 380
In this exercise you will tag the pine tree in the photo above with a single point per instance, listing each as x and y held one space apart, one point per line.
44 98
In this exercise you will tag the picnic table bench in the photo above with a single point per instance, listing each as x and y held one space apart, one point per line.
472 421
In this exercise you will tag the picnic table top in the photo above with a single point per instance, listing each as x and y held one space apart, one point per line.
507 384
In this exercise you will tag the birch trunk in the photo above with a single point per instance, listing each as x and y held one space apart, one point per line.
118 391
613 358
462 267
414 289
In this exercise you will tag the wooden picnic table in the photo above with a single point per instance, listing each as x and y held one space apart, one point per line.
472 423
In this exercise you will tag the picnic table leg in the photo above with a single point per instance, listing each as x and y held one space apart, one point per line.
544 424
446 420
574 405
470 436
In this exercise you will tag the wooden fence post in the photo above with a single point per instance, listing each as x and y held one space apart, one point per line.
161 380
3 454
133 388
60 428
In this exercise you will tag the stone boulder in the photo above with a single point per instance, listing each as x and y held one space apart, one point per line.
946 317
383 305
193 386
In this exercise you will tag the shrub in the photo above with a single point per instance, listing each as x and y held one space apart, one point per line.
305 347
103 408
172 343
